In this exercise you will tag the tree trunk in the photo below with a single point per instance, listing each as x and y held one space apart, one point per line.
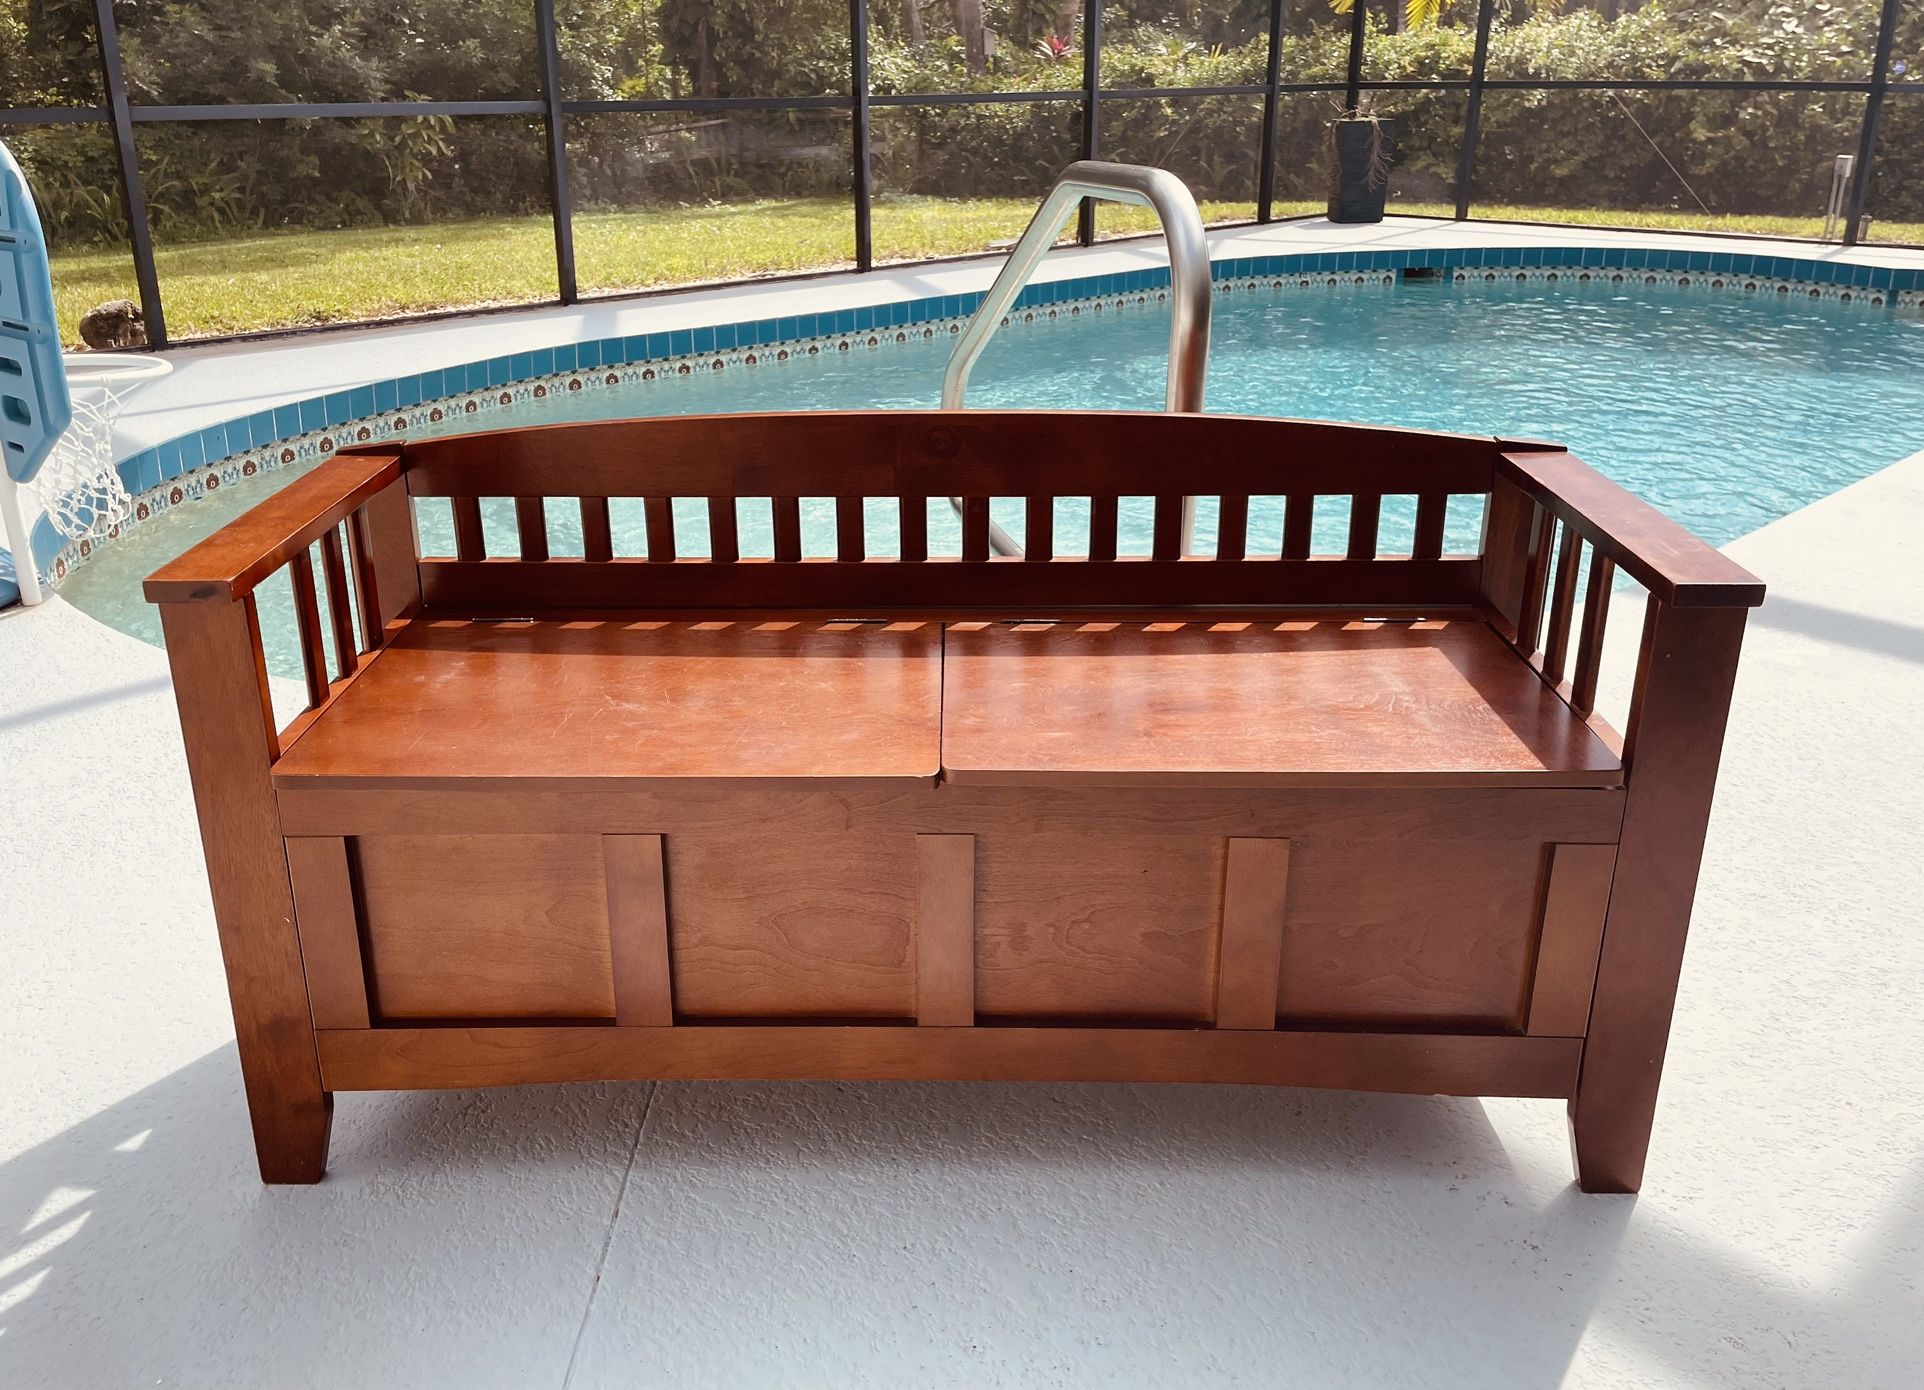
705 64
912 22
975 36
1068 19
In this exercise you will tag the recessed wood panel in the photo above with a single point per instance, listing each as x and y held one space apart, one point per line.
792 925
1097 926
1410 933
487 926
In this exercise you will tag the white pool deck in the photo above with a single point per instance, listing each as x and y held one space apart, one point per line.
748 1235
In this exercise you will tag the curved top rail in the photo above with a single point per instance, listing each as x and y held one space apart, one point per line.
1182 229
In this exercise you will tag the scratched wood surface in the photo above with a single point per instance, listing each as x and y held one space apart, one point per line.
1278 704
475 703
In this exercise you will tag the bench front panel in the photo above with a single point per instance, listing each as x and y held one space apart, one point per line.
1397 910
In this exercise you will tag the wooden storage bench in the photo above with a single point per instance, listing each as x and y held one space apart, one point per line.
1256 815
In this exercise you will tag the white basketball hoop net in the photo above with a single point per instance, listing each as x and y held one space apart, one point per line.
79 485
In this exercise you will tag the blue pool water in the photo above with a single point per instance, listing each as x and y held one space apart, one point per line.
1726 410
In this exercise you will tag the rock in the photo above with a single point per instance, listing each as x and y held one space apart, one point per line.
116 324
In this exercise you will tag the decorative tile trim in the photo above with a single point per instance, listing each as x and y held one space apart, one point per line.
1677 279
187 468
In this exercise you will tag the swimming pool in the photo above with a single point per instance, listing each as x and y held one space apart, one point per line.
1727 410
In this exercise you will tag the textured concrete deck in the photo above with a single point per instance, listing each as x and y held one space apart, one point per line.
971 1236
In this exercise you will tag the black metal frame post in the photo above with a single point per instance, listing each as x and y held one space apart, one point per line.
1272 98
1873 113
560 196
122 117
1473 115
1091 121
132 192
862 190
1358 32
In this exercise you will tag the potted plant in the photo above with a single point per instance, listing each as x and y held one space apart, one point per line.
1360 147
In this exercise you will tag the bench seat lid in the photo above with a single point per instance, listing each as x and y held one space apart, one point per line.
478 703
1257 703
484 704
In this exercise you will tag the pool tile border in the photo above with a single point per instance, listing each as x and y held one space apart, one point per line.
188 467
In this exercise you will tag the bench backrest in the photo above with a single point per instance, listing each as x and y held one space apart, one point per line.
1552 534
1071 470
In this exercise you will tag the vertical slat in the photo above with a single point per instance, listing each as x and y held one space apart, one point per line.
1166 537
724 541
788 527
307 621
1039 528
531 522
219 682
1536 578
1102 528
658 516
1255 893
597 532
340 608
638 930
945 931
1365 519
1509 521
850 543
330 932
1299 518
1232 528
1567 942
1563 602
975 528
367 588
915 528
389 516
1596 613
1432 508
470 537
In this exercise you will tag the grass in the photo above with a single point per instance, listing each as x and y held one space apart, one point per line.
292 279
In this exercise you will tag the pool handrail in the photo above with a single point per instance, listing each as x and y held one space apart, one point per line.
1189 288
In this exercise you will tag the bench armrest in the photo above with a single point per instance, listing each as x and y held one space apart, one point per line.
229 563
1654 550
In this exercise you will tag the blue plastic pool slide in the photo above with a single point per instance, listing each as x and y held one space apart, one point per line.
34 406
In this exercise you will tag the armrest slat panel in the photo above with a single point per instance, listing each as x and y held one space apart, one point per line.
1650 547
229 563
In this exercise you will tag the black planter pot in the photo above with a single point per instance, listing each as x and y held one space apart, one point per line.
1354 152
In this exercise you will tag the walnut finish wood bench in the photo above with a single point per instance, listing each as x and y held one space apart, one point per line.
1340 821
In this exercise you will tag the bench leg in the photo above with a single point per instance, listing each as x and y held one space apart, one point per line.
1607 1150
1676 734
290 1135
220 683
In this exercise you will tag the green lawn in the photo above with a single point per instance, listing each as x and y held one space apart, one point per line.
290 279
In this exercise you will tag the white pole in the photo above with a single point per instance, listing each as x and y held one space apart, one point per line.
19 541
